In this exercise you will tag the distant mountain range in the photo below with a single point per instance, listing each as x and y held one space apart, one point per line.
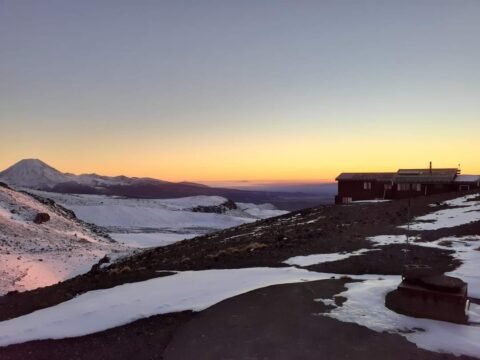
35 174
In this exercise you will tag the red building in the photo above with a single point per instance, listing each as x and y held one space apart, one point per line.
405 183
363 186
467 182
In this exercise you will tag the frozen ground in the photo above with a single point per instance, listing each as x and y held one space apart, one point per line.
103 309
365 306
196 290
35 255
461 211
159 222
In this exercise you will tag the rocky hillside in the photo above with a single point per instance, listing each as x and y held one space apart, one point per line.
42 243
274 289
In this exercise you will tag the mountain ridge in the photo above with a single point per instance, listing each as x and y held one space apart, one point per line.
36 174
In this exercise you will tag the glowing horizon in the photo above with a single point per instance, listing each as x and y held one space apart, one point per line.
242 181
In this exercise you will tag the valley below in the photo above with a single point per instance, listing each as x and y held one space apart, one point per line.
157 222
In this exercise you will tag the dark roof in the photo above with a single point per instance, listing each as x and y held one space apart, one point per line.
428 171
365 177
467 179
425 176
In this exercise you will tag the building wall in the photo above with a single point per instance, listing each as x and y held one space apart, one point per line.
355 190
425 189
465 186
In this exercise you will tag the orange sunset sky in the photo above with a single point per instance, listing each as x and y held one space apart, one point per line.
219 91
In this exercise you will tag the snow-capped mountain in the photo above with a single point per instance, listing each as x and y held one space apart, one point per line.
35 174
42 243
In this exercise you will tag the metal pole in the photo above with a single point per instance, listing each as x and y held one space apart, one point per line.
409 216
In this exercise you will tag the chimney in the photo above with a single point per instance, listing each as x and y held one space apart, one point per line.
430 167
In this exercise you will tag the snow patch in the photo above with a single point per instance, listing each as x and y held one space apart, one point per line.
328 302
384 240
315 259
464 211
365 306
99 310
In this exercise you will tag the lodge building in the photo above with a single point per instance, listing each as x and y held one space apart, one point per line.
405 183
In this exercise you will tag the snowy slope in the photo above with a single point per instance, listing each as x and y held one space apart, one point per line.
35 255
157 222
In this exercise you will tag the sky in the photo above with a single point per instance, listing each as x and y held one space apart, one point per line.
240 90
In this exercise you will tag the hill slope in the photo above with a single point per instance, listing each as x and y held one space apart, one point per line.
234 287
39 254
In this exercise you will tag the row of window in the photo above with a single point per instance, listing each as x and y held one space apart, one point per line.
367 185
408 187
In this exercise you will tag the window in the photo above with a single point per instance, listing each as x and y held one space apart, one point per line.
417 187
403 187
388 186
367 185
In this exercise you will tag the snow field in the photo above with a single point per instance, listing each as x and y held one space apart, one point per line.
308 260
158 222
99 310
463 211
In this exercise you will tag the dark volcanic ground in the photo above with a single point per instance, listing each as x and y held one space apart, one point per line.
270 323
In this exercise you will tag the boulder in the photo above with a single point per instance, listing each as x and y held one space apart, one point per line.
41 218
